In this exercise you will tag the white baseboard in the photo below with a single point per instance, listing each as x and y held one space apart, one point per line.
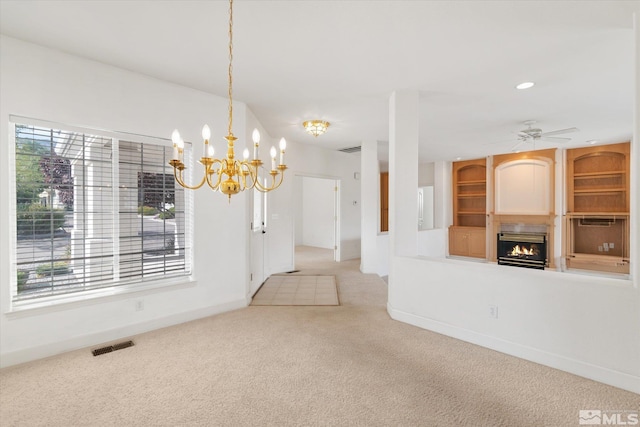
563 363
76 343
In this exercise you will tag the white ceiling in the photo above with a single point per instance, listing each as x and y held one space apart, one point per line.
341 60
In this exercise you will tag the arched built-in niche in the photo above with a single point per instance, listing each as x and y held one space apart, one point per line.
523 187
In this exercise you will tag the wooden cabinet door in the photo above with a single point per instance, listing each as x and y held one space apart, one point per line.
477 243
468 241
458 242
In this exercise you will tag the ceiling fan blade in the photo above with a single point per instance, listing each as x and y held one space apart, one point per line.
558 132
524 135
554 139
515 147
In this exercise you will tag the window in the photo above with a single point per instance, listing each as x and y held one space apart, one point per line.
94 212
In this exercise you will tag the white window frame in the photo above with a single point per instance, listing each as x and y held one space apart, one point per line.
155 282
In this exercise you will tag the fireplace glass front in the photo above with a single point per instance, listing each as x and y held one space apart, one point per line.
528 250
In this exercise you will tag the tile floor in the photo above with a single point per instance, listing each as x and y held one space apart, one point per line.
298 290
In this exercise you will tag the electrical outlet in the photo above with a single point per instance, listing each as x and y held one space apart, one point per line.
599 248
139 305
611 246
605 245
493 311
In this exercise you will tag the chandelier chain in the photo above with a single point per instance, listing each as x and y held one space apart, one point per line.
230 66
240 174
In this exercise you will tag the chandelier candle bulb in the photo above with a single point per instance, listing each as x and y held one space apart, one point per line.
210 151
175 138
256 142
245 154
283 146
181 150
273 158
206 134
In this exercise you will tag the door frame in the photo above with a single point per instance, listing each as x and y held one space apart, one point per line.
336 212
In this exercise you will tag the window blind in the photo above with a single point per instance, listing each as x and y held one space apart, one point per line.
93 212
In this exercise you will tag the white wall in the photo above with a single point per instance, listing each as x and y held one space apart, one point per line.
426 173
307 160
45 84
581 324
318 212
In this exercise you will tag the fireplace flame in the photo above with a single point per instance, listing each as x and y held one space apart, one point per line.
517 250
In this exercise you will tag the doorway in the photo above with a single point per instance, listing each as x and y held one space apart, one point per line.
316 217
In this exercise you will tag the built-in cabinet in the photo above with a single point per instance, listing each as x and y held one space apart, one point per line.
468 241
467 235
597 218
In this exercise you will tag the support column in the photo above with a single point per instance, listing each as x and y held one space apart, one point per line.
403 173
370 215
635 162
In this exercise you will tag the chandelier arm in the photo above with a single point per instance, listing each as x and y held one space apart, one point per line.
253 174
262 187
181 181
242 175
210 183
274 185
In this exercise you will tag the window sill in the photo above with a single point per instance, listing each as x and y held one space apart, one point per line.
65 302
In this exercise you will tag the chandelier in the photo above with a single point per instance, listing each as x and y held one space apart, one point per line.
316 127
240 175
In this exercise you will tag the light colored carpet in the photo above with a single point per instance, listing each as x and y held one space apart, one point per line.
297 290
346 365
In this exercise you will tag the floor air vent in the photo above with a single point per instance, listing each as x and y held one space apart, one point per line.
110 348
352 149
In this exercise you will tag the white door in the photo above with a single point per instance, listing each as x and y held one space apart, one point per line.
258 231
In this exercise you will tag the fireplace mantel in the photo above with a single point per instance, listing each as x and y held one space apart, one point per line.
523 223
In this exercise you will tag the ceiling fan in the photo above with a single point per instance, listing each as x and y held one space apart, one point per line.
533 134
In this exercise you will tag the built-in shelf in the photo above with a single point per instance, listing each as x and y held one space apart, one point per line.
605 174
599 190
471 182
597 219
467 236
470 195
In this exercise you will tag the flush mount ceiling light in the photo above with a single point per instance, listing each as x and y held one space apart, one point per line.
525 85
241 175
316 127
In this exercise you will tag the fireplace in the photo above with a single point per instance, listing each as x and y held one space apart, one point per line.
528 250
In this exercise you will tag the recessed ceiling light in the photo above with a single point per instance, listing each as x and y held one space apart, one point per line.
458 158
525 85
592 141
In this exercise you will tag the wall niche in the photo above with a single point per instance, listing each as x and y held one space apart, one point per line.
523 196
